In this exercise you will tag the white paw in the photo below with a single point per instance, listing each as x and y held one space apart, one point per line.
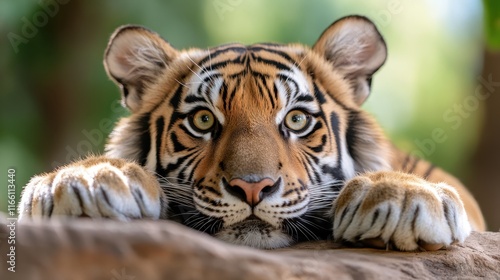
399 210
96 187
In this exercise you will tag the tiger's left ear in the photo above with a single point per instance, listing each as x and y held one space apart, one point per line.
354 47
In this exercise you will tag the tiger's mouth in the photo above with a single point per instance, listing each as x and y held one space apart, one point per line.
253 221
255 232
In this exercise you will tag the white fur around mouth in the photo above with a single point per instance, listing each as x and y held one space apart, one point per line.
255 233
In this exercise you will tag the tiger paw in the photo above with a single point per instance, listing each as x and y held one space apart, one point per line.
95 187
400 211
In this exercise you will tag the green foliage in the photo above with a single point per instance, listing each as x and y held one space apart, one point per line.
492 22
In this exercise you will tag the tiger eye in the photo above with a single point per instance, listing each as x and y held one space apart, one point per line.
203 120
296 120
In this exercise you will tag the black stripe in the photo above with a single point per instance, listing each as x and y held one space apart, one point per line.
315 177
224 95
336 172
209 86
178 147
193 99
212 190
342 216
195 166
143 131
317 126
335 124
405 162
275 92
29 205
319 95
231 97
274 63
320 147
271 97
260 75
287 81
174 166
259 83
386 219
224 63
139 200
175 102
238 74
78 195
50 208
169 93
414 221
374 218
184 128
189 163
351 135
304 98
404 204
450 218
219 51
313 157
265 90
429 171
353 214
318 92
414 165
160 126
106 197
280 53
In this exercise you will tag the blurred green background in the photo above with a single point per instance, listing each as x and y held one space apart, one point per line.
57 102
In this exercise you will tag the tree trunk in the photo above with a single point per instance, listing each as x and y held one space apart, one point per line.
485 181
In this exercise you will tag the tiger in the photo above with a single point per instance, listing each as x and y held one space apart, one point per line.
262 145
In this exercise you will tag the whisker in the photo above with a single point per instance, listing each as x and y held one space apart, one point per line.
182 84
300 225
194 219
297 65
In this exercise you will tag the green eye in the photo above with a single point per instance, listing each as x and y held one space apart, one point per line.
203 120
296 120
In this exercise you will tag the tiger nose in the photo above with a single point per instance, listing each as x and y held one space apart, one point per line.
252 192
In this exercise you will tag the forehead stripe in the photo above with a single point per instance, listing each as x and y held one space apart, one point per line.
215 53
280 53
274 63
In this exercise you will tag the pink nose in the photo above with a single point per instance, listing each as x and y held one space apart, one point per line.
253 192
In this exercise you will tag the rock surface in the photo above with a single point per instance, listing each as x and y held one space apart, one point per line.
90 249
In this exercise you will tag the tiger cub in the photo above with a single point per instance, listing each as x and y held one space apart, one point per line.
263 145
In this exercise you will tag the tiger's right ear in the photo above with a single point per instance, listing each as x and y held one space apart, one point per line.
134 58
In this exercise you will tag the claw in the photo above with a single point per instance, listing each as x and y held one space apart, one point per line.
429 246
378 243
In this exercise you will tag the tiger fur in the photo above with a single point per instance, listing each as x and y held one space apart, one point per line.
262 145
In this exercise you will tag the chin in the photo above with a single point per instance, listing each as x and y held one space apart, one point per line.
256 234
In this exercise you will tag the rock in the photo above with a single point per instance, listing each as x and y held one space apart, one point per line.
103 249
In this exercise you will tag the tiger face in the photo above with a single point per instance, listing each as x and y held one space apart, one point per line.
251 144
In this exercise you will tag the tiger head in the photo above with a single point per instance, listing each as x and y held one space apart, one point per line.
251 144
